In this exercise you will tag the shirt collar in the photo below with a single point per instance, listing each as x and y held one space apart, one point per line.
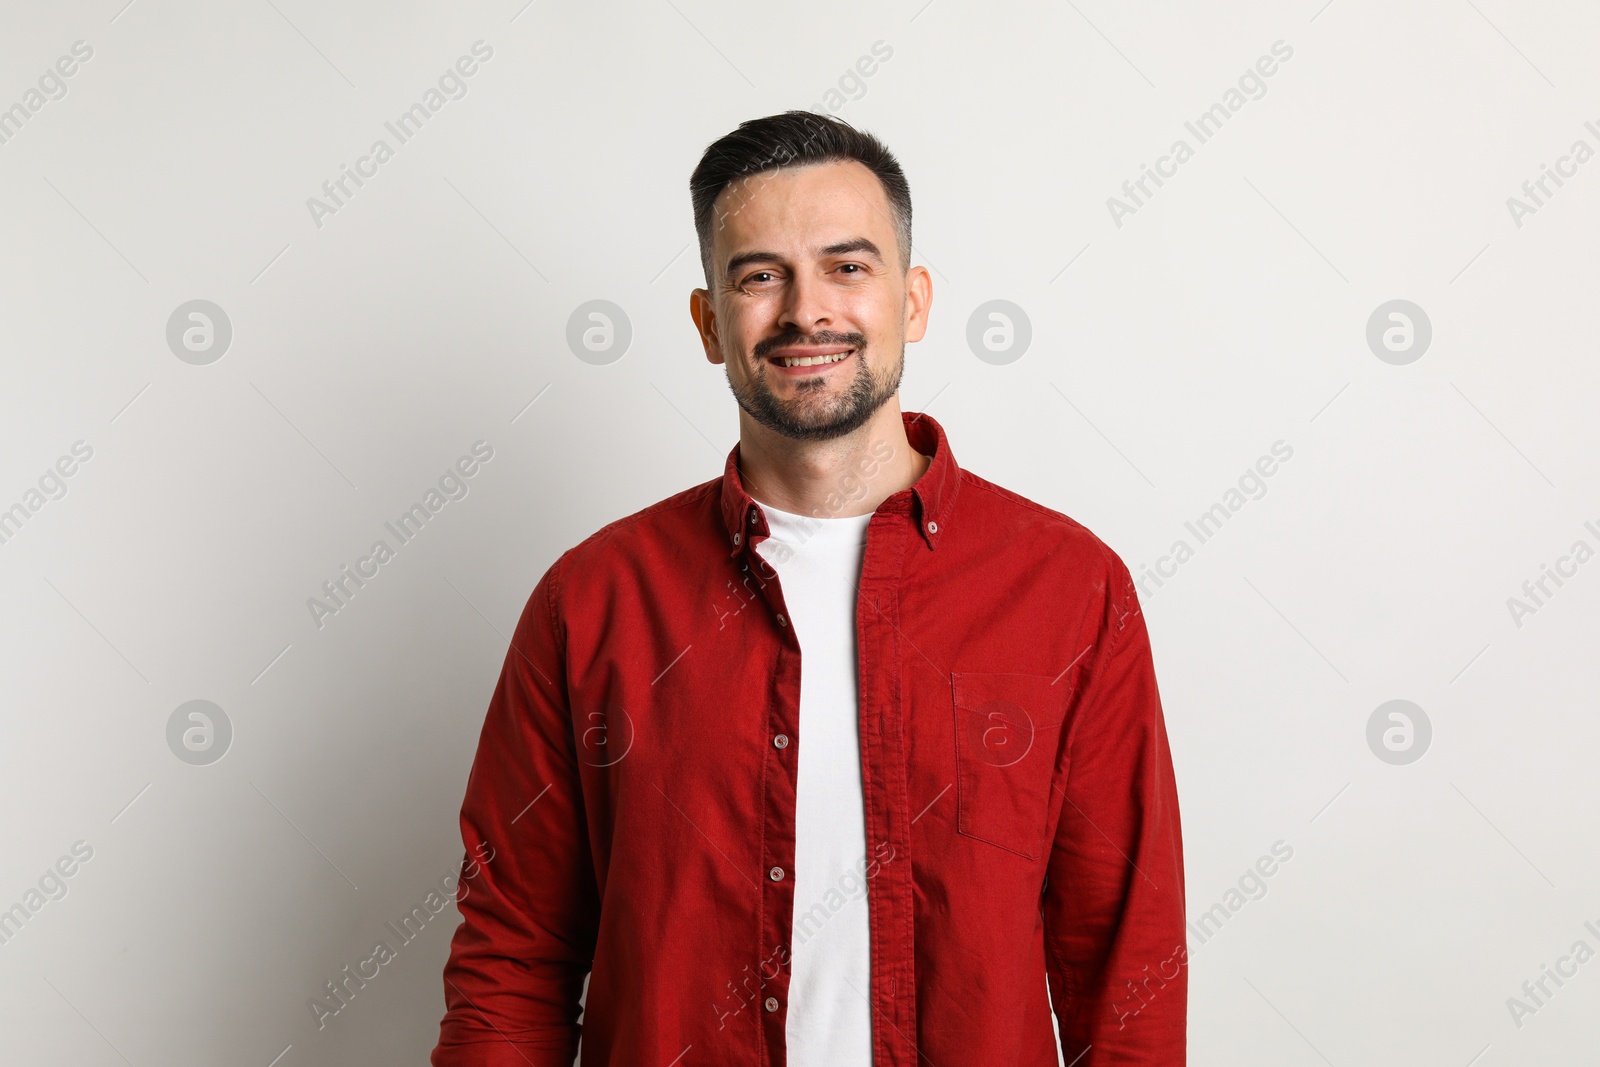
933 494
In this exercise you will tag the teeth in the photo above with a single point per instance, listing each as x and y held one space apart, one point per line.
811 361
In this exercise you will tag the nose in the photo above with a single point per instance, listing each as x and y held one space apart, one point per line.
805 308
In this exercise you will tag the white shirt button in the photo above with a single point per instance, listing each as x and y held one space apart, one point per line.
933 527
772 1003
781 741
776 874
782 621
736 538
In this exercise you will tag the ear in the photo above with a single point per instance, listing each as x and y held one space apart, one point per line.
704 314
919 301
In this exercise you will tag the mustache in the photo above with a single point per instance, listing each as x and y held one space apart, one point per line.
824 337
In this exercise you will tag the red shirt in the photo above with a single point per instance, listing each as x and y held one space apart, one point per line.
631 806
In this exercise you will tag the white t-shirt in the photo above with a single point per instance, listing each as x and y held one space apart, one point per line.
818 561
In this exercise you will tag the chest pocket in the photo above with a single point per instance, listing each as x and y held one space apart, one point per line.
1007 735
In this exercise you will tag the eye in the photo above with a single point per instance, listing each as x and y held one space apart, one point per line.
857 266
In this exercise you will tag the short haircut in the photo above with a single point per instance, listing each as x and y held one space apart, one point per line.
794 138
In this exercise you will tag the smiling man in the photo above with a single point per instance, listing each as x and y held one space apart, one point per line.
846 757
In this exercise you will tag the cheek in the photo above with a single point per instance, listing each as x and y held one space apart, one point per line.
736 327
877 315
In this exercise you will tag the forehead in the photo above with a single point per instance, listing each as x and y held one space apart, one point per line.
798 209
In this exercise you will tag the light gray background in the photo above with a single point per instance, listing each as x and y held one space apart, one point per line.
1168 354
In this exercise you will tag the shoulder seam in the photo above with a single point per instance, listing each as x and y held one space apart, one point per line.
550 598
1117 571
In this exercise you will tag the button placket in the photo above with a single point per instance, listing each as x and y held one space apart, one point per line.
884 755
762 579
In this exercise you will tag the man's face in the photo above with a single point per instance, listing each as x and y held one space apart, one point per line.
807 308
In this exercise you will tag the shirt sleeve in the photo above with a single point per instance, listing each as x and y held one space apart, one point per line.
527 892
1115 950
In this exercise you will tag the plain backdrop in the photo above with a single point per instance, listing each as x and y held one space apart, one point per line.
1171 347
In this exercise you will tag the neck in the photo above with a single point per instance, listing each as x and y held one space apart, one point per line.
836 478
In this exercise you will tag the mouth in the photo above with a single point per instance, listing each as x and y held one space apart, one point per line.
810 362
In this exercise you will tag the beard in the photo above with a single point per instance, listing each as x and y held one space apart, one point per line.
813 414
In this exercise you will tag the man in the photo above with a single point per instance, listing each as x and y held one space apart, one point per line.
845 757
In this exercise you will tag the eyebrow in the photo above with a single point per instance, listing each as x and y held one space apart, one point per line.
841 248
